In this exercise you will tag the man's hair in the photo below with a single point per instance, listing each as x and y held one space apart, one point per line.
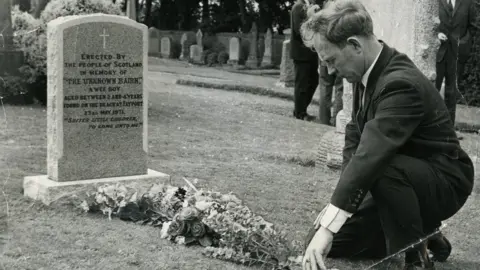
337 21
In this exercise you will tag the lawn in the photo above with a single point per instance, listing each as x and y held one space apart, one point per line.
230 141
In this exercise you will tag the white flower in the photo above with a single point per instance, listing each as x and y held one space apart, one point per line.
164 231
203 205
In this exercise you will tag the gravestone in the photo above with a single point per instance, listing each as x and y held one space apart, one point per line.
184 52
196 53
409 31
8 54
252 60
188 39
199 37
97 106
287 68
166 47
268 55
153 42
234 50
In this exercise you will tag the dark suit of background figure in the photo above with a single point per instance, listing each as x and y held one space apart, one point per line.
326 85
457 24
403 168
305 61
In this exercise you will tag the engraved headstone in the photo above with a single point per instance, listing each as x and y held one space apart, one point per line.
268 55
97 104
234 50
166 47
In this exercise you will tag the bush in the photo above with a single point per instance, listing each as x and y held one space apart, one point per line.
212 59
223 57
13 90
30 35
204 56
471 76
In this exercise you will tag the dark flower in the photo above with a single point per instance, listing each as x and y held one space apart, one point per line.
197 229
177 228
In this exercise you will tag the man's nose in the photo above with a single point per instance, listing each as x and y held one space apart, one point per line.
331 70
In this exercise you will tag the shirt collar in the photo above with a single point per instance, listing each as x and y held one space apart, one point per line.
369 70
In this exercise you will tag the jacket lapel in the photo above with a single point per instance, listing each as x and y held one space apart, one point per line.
457 5
371 87
444 3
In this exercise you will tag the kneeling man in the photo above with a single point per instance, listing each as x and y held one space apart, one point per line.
404 171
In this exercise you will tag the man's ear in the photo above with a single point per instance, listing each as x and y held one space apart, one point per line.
355 43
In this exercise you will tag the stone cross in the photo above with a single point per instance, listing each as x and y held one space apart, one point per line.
199 37
104 35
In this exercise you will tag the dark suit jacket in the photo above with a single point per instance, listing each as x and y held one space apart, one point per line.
298 51
404 114
458 26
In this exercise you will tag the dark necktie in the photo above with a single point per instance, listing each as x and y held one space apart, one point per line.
450 5
361 90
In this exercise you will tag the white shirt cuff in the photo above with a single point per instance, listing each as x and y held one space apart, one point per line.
333 218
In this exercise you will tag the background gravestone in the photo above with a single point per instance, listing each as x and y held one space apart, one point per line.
166 47
153 42
252 60
184 52
409 31
97 104
234 50
287 68
268 55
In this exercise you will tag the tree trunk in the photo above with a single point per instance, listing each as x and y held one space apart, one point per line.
243 15
205 11
148 13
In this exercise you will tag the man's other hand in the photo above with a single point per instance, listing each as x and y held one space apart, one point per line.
442 36
317 250
312 10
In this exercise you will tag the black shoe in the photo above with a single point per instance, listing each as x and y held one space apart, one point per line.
417 258
440 248
309 118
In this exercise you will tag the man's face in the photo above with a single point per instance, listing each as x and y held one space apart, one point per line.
348 62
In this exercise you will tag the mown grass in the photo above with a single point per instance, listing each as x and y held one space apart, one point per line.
230 141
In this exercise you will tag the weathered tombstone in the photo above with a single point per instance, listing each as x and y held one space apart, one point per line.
409 32
184 52
153 42
268 55
234 50
166 47
287 68
8 54
199 37
196 53
252 60
97 106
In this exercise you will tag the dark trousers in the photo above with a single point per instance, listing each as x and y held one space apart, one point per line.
460 78
406 204
306 82
447 69
327 83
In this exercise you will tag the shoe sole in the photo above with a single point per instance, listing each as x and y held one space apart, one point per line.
443 255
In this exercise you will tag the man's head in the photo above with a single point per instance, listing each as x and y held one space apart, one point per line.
342 35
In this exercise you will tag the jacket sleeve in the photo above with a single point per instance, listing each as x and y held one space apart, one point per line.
298 17
399 110
352 138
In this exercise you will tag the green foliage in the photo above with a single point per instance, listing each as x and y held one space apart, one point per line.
11 86
212 58
222 57
204 57
30 35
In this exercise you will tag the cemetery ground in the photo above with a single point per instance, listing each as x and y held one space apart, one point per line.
230 141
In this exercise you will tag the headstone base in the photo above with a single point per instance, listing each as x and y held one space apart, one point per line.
40 188
252 63
285 84
232 62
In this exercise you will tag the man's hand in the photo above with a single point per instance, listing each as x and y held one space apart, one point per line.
312 10
317 250
442 36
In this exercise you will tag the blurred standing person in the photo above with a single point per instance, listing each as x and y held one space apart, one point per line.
455 32
327 83
305 61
